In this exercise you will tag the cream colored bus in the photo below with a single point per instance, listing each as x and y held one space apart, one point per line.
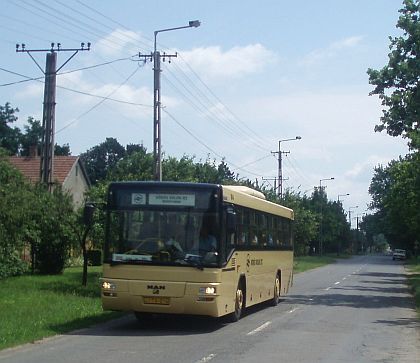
188 248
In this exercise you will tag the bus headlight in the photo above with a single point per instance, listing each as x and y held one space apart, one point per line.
108 285
209 290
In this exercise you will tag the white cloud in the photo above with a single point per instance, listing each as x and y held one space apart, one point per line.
366 166
331 51
236 62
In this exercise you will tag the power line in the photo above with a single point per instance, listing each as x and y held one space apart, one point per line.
206 146
99 103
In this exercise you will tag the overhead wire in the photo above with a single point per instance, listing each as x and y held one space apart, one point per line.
205 145
99 103
203 100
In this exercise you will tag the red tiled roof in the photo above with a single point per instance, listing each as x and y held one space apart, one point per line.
29 166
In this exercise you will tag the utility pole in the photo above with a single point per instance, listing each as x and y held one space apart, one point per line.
48 115
280 171
157 135
156 56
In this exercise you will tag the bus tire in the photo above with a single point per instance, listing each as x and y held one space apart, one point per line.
239 304
276 291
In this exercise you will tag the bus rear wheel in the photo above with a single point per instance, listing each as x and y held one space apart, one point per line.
276 291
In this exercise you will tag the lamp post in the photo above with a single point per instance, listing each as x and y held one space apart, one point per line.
342 195
339 237
320 224
280 173
157 151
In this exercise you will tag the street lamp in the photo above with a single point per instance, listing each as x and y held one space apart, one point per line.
320 224
339 237
157 151
342 195
280 173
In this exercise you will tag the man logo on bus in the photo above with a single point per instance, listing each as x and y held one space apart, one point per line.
156 288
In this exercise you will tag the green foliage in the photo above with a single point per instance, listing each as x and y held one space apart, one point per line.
32 218
17 143
53 219
9 136
306 223
15 201
100 159
397 84
395 191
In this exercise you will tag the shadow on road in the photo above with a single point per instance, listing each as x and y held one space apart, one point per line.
165 325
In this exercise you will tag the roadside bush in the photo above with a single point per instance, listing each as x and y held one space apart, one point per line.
11 264
55 234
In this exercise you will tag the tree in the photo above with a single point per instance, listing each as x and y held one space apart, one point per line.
9 136
395 191
32 137
101 158
15 203
398 83
306 225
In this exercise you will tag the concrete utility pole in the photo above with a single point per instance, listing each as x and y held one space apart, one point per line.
157 136
48 115
280 170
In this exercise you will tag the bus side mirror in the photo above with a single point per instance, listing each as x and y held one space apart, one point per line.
230 221
88 211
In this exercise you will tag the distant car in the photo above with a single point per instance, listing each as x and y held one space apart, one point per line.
399 254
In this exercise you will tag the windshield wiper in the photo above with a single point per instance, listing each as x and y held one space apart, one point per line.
196 262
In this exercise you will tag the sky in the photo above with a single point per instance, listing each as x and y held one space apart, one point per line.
252 74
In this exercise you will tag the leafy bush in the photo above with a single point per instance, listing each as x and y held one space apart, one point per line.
11 264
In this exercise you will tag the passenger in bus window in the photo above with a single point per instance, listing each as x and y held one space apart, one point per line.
253 238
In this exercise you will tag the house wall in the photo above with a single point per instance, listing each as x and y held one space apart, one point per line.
76 184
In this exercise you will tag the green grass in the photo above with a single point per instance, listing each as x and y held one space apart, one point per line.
304 263
34 307
413 267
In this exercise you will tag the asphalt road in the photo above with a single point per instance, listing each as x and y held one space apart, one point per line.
357 310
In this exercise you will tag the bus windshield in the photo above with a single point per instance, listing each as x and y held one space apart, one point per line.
155 230
162 237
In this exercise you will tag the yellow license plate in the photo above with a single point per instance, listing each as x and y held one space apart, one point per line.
157 300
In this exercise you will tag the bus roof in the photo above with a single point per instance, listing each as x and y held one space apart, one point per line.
247 197
235 194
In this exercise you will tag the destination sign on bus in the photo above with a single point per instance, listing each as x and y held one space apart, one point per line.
184 200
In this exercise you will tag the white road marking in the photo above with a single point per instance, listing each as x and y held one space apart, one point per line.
261 327
327 288
294 309
336 283
206 359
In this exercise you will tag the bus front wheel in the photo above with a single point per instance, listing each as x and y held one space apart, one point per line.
239 304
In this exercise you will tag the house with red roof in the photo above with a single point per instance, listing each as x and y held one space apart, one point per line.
69 172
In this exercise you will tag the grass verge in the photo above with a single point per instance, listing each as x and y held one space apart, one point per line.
34 307
303 263
413 266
